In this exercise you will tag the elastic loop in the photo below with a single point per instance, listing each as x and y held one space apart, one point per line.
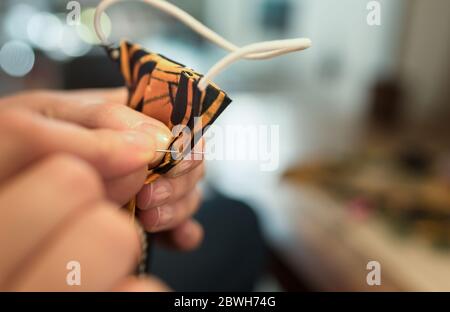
257 51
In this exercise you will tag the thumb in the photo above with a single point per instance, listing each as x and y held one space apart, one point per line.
27 136
121 152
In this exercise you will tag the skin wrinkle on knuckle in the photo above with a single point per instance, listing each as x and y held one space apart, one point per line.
152 219
48 111
184 184
145 196
43 102
182 210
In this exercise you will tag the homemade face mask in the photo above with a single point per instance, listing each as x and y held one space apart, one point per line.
174 94
169 92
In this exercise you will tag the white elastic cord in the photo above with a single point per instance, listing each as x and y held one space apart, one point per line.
299 44
258 51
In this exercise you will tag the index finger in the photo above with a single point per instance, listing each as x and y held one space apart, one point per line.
99 108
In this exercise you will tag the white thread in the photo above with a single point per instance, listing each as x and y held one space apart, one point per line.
257 51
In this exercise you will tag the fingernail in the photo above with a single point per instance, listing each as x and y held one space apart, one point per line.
160 138
162 215
165 215
161 191
163 136
141 144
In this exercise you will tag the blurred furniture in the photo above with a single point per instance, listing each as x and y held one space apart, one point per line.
330 250
315 240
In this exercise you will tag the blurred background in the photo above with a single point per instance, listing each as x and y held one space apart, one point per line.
364 133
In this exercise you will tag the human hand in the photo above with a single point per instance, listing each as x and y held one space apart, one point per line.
110 146
166 205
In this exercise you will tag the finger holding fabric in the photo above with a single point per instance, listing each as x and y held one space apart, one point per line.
169 203
66 203
116 140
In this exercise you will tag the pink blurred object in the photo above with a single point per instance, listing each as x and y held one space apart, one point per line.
360 208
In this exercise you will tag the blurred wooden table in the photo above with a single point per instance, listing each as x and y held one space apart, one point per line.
326 247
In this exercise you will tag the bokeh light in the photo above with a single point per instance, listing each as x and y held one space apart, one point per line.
71 44
86 30
15 22
45 31
16 58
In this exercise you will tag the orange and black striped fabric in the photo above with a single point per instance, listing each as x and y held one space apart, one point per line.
167 91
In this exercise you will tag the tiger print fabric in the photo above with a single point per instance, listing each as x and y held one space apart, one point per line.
168 91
